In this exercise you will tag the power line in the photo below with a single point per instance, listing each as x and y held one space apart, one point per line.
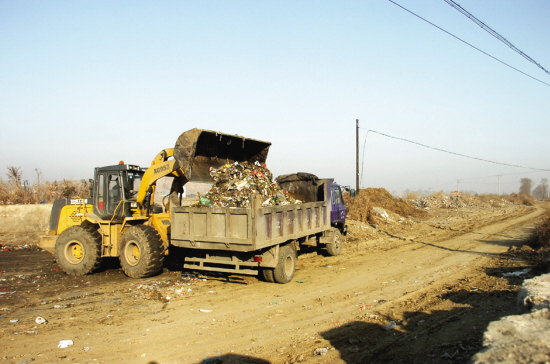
493 33
463 41
500 175
458 154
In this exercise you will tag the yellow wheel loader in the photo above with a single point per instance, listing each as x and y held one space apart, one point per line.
119 220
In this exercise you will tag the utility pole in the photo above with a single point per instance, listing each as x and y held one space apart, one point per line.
498 185
356 155
457 193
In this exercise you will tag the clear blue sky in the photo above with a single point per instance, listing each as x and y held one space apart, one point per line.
89 83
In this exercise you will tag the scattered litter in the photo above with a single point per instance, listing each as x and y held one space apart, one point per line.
202 310
389 326
86 348
517 274
41 320
320 351
65 343
299 281
14 321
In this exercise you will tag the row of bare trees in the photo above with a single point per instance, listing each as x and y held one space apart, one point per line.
540 192
16 190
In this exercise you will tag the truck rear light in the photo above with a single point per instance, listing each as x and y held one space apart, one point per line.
258 259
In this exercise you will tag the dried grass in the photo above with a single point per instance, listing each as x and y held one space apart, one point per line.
541 236
17 192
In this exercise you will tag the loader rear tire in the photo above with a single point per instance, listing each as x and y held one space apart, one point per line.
335 247
286 266
78 250
141 252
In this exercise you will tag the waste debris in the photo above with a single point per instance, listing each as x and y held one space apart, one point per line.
320 351
65 344
235 184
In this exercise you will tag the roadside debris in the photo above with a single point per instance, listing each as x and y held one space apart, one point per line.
517 274
65 344
320 351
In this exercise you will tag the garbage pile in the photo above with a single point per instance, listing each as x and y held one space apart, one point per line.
235 184
440 201
10 248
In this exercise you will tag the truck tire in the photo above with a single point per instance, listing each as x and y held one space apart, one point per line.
286 266
141 252
78 250
267 274
335 247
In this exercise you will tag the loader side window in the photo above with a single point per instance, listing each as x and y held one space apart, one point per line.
114 192
100 192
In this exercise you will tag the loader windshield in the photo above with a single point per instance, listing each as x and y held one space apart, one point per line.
134 181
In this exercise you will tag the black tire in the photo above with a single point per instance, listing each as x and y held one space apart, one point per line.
78 250
286 266
335 247
141 252
267 274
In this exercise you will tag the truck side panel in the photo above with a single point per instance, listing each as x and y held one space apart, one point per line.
246 230
212 228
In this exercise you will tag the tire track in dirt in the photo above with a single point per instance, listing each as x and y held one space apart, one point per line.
348 296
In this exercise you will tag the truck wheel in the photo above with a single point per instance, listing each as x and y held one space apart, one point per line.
267 273
78 250
286 266
141 252
335 247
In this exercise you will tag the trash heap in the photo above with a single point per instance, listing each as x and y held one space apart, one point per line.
235 184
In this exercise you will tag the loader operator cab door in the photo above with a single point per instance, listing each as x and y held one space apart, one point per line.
114 184
108 193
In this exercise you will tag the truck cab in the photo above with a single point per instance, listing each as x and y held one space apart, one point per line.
338 208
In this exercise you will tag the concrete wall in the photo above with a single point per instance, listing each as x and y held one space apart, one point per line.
21 224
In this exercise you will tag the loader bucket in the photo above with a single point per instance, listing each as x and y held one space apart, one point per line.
197 150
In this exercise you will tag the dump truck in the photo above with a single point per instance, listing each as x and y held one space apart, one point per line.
120 218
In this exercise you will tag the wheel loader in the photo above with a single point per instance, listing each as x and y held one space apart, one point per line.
119 219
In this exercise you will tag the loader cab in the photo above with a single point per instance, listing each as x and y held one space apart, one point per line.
113 184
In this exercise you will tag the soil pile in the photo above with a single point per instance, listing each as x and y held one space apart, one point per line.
371 204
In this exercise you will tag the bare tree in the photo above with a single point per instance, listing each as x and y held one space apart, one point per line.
541 191
526 186
15 176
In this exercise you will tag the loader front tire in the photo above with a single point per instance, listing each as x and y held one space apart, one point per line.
286 266
78 250
141 252
335 247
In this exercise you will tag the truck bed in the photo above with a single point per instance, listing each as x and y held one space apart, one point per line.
246 229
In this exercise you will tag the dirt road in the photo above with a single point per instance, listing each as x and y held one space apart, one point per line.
424 295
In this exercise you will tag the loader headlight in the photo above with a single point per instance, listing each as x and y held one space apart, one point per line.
133 205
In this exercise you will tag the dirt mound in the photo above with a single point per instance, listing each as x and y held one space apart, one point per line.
367 205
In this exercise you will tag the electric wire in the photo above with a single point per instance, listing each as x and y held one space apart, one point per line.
463 41
457 154
493 33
